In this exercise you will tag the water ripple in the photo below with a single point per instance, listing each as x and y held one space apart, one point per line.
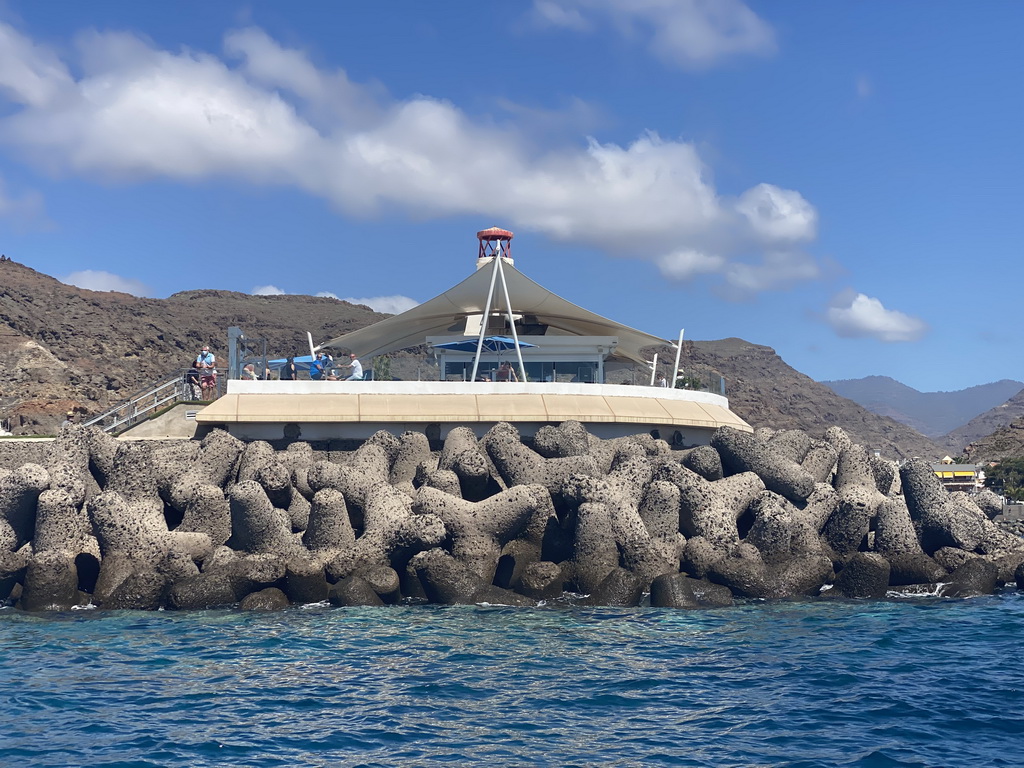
907 682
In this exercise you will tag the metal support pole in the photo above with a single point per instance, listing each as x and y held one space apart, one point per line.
679 352
654 368
486 318
512 322
234 359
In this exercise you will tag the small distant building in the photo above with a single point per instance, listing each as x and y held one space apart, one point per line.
959 477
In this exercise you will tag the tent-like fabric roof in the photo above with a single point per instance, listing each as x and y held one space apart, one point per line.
446 315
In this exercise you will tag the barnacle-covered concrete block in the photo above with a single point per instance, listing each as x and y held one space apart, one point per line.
673 590
132 530
791 444
913 568
209 512
742 452
392 534
413 450
711 509
820 460
445 580
620 588
61 524
570 438
478 530
19 493
256 524
51 582
215 464
542 580
894 530
330 528
520 465
866 574
463 456
705 461
255 456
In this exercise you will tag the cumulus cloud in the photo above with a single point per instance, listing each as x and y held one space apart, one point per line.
690 34
326 295
267 290
123 109
855 315
98 280
683 265
391 305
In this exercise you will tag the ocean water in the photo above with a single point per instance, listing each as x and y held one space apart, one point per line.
902 682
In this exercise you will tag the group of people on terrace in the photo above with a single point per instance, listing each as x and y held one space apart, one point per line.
201 378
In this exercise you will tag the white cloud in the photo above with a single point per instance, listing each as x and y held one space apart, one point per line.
391 305
690 34
778 215
777 270
683 265
855 315
326 295
132 111
98 280
267 290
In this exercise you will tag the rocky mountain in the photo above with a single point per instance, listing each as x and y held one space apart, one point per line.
64 347
933 414
767 392
984 425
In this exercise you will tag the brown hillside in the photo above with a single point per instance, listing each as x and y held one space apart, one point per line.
987 424
767 392
61 345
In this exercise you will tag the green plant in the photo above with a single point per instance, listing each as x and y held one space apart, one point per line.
1007 477
382 369
689 382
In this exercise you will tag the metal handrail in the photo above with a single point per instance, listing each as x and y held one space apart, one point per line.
171 389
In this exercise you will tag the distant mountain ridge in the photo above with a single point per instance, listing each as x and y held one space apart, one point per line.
933 414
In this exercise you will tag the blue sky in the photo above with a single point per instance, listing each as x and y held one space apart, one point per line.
834 180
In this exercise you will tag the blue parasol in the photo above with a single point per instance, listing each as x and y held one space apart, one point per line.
491 344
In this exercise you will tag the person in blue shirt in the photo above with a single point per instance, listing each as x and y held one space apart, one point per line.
318 368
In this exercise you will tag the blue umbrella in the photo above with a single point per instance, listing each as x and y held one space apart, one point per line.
491 344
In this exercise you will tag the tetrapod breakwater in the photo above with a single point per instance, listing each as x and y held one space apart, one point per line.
218 522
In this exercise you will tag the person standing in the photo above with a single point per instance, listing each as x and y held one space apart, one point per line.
660 380
357 368
288 370
206 362
505 372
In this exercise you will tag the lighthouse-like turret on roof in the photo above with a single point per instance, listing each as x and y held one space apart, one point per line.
494 241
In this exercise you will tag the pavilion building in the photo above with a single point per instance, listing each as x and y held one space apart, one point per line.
564 357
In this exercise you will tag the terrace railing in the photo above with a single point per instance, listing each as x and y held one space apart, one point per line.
171 389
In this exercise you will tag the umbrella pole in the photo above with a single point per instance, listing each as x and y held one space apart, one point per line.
486 317
512 323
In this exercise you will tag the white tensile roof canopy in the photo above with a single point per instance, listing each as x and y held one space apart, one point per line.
446 315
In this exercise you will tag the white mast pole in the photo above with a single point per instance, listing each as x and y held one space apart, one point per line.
654 367
679 352
486 317
512 322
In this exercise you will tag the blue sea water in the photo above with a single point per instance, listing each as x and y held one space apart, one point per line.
922 682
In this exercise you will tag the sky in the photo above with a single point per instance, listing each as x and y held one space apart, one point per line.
833 180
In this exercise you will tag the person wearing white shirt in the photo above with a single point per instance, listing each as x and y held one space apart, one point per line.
357 368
